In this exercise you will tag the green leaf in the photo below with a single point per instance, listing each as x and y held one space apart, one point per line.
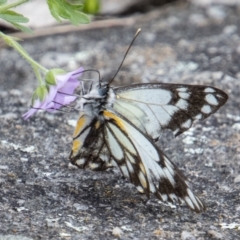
11 16
81 17
54 10
15 19
2 2
75 2
91 6
51 75
40 93
68 9
22 28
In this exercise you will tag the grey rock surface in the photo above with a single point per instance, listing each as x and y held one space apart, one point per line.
44 197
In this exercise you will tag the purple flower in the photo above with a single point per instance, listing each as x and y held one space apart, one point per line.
56 93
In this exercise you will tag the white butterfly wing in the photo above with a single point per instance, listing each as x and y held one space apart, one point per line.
144 164
154 107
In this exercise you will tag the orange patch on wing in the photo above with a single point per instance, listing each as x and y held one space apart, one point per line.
97 124
79 126
118 120
76 146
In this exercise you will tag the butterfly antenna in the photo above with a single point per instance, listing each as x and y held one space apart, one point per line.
82 80
136 34
60 110
91 70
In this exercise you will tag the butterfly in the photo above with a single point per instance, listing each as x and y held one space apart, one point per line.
120 126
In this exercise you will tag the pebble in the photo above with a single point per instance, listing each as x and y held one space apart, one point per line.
214 234
237 179
15 92
10 116
187 236
230 29
80 207
198 20
14 237
189 140
216 13
236 126
117 232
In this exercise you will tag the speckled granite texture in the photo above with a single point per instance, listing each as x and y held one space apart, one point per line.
43 197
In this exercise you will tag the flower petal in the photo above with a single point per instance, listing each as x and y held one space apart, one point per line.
59 94
63 78
69 87
32 110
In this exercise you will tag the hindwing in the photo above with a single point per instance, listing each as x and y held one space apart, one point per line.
140 160
116 141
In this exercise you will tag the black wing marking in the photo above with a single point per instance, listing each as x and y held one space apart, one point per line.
89 149
167 106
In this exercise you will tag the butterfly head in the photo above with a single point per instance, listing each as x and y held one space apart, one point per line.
103 88
98 96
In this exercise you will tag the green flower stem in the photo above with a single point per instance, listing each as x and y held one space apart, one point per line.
38 75
14 44
12 5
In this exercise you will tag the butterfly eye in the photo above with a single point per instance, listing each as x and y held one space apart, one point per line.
103 90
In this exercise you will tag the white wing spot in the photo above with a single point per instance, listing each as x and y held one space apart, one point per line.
152 188
206 109
211 99
93 166
104 157
164 197
209 90
198 117
168 162
113 163
181 200
176 131
131 159
169 176
184 95
169 166
189 202
187 124
80 161
173 197
192 197
124 171
140 189
130 167
182 89
182 104
158 172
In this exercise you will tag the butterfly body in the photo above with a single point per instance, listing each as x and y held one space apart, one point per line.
120 126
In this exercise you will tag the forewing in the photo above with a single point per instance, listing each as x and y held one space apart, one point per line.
144 164
154 107
89 149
